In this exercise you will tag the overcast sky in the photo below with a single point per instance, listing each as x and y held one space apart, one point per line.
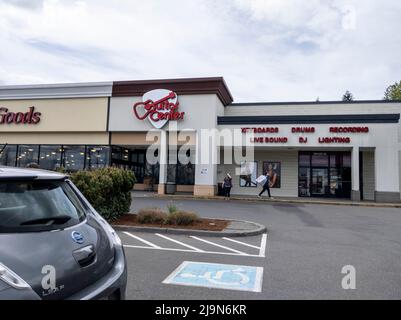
267 50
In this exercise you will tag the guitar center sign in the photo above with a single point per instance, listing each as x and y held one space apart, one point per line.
158 106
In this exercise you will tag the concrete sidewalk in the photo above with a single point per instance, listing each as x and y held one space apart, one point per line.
324 201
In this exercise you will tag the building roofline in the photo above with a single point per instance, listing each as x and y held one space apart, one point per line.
56 91
182 86
56 85
309 119
254 104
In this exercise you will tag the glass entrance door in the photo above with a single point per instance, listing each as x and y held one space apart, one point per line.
320 182
324 174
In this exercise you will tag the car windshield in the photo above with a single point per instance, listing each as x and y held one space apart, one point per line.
33 206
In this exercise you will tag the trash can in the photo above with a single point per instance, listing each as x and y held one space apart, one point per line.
220 189
171 188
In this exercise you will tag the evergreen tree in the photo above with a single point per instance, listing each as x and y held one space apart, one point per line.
348 96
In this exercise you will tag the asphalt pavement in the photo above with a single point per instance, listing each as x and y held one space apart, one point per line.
301 257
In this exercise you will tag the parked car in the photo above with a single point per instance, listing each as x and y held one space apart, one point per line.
53 243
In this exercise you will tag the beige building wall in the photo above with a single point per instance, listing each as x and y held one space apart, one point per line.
58 138
140 138
60 115
129 138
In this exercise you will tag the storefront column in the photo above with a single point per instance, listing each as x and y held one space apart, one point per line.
163 149
205 180
355 192
206 167
387 174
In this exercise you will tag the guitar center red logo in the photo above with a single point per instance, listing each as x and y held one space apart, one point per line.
158 106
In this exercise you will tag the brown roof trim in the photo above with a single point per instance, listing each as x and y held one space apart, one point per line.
184 86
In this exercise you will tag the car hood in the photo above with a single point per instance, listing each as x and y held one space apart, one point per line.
55 265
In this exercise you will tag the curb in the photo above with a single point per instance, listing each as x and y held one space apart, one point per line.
259 229
333 203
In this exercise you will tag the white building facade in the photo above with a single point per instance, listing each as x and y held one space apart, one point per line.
347 150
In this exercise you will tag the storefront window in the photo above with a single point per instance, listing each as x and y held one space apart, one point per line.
74 158
116 153
171 173
185 169
304 182
97 157
152 173
335 160
320 159
27 154
125 154
134 157
304 159
335 182
141 157
324 174
50 157
8 155
347 160
185 174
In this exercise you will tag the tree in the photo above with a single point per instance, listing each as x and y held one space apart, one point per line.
393 92
348 96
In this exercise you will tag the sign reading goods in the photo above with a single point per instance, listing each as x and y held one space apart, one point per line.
158 106
9 117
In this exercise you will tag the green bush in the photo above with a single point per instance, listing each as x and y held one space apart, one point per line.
107 189
151 215
182 218
172 207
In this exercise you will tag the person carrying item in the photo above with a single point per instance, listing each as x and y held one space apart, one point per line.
266 186
227 185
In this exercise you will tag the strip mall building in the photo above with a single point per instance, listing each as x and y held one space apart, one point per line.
312 149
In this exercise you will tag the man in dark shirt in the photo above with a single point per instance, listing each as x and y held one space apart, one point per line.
266 187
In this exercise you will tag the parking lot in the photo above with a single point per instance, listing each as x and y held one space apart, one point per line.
301 257
153 257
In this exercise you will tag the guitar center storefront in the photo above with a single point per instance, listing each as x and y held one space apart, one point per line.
185 135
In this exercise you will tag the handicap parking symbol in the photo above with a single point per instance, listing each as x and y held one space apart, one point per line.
215 275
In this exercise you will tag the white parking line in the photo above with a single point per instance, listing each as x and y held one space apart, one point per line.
179 242
218 245
143 240
192 251
262 251
243 243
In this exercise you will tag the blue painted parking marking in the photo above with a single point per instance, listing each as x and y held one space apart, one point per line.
219 276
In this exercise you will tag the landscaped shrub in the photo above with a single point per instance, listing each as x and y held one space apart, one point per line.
107 189
172 207
182 218
173 217
151 215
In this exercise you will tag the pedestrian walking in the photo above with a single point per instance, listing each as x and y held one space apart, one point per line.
266 186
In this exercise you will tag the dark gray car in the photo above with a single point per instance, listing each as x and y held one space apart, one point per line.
53 243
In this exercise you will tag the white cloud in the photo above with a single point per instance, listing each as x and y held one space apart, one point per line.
267 50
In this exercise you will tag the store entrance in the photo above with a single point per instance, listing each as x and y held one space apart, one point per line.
324 174
320 182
